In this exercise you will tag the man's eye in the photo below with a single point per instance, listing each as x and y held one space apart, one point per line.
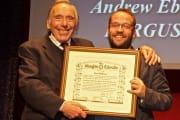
115 25
70 18
58 17
126 25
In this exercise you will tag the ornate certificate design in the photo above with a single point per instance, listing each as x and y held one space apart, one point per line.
93 78
99 79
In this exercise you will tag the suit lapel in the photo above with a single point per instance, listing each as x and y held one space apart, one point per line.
53 53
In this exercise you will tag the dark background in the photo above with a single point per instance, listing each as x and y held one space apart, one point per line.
14 29
14 23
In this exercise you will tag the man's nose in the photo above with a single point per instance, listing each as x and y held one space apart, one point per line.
120 28
64 22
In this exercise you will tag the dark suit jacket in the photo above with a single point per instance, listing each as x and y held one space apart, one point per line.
158 96
39 77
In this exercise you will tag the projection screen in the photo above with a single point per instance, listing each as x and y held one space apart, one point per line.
158 24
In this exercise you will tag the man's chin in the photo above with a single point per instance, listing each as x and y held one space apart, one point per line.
119 43
64 39
119 46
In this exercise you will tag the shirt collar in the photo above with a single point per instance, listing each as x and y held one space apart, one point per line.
56 42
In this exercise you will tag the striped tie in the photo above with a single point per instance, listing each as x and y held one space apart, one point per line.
64 45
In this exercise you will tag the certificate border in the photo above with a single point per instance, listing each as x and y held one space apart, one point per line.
136 53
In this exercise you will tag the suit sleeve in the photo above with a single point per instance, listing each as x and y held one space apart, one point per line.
158 96
37 95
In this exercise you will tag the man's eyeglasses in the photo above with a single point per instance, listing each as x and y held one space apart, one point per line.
124 26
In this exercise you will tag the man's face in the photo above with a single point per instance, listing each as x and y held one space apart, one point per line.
121 30
62 22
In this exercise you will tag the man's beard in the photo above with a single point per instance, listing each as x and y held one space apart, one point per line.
125 45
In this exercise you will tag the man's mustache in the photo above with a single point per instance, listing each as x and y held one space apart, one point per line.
119 34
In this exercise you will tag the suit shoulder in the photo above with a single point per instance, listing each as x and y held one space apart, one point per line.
83 41
32 43
150 68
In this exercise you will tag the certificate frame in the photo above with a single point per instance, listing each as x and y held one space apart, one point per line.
98 78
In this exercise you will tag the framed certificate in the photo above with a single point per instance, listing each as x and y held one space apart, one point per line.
98 78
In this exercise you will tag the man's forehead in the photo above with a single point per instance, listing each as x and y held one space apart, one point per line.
62 7
121 15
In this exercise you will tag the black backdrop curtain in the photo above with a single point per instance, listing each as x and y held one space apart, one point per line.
14 24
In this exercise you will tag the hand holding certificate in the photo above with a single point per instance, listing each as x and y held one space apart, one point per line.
99 79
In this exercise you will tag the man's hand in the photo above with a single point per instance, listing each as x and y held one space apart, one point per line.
137 87
150 55
73 110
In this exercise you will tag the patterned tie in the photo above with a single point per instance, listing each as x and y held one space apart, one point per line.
64 44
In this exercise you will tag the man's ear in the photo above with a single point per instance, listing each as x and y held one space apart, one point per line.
134 35
107 33
47 24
